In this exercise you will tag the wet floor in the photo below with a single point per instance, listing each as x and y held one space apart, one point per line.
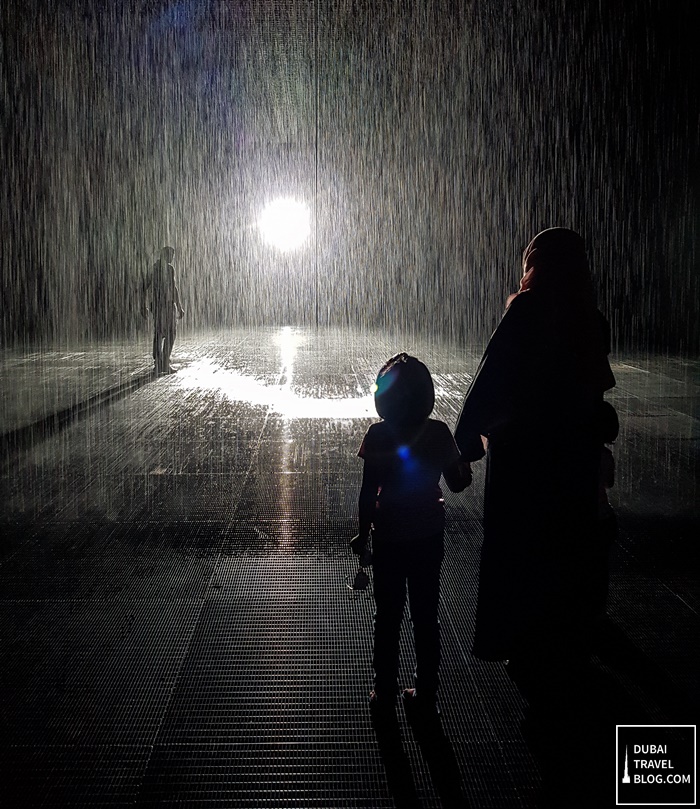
175 620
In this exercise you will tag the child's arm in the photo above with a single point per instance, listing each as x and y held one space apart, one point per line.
367 504
457 470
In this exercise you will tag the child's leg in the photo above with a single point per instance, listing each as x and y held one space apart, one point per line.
390 598
424 599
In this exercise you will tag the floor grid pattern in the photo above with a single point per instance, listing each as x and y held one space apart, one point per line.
176 626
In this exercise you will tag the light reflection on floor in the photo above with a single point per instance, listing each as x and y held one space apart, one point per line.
280 398
208 375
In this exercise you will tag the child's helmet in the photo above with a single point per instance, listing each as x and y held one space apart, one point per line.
404 391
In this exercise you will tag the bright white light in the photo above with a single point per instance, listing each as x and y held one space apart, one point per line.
285 224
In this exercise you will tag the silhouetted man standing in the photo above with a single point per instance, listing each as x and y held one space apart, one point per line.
165 303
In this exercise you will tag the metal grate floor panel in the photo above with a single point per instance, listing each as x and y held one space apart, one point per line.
175 622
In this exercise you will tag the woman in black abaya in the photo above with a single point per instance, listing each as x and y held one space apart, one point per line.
535 397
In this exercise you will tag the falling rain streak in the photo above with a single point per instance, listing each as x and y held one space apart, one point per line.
427 142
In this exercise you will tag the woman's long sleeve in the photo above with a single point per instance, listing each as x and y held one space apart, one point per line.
490 399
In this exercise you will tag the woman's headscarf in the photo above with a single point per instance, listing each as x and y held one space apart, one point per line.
556 342
555 261
556 258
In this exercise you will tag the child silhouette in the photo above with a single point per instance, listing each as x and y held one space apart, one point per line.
401 503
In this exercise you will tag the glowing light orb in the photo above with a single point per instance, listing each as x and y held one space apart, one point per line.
285 224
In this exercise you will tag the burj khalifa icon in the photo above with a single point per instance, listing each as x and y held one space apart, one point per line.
626 776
